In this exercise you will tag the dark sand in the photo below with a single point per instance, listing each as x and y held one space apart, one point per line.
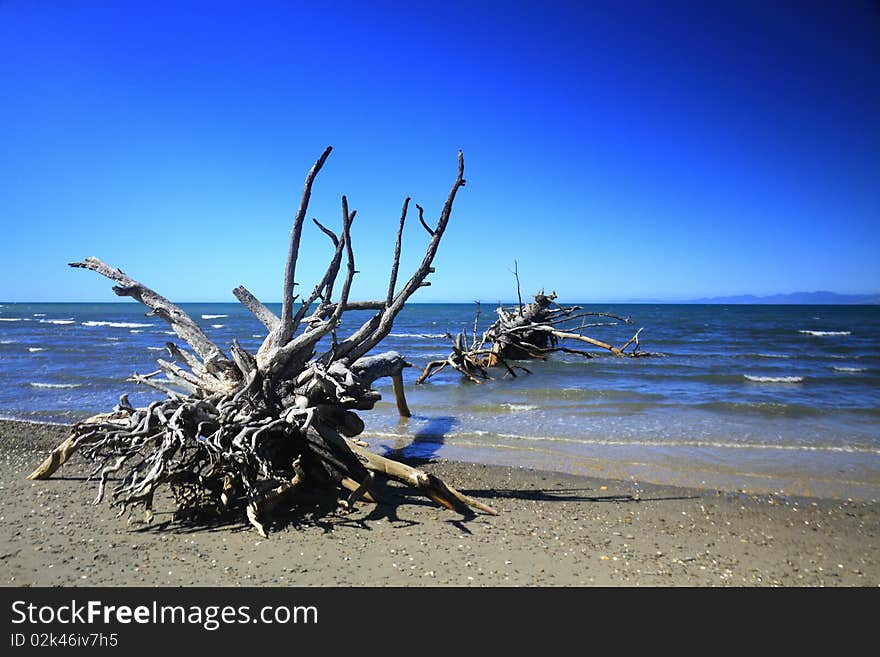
553 530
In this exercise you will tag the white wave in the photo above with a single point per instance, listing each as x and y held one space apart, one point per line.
135 331
423 336
661 444
519 408
7 341
57 321
409 436
459 438
12 418
33 349
156 348
54 385
39 314
216 325
127 325
772 356
14 319
774 379
849 369
388 434
112 339
169 332
258 336
213 316
822 334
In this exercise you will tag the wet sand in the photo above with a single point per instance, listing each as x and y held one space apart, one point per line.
553 530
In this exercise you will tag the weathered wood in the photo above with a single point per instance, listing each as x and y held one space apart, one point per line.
250 429
395 266
529 331
324 289
387 317
267 317
399 395
377 366
432 486
81 432
181 323
286 328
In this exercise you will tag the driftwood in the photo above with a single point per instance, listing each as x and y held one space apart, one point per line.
529 331
241 433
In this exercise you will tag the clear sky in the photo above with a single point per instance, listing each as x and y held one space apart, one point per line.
616 150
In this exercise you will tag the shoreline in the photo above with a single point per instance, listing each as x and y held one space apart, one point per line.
554 529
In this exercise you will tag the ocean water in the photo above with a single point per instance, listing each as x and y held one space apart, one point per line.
756 398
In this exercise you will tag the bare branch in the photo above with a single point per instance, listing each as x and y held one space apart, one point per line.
310 337
267 317
392 280
325 285
329 233
286 329
422 219
386 319
518 292
181 323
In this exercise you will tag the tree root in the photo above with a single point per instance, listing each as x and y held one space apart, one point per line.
241 433
530 331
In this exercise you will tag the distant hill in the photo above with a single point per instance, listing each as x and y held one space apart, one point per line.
806 298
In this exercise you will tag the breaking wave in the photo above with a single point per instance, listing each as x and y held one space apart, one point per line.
519 408
821 334
128 325
422 336
57 321
54 385
774 379
33 349
849 369
213 316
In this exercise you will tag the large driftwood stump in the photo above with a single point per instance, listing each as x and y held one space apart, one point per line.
242 432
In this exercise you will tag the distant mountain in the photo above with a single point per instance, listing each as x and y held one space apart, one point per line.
805 298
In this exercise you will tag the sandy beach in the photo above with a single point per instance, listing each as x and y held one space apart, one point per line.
552 530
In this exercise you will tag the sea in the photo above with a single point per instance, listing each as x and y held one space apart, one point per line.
753 398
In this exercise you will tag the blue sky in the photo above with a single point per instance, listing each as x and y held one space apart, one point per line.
616 150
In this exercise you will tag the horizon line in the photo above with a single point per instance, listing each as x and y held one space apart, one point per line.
726 300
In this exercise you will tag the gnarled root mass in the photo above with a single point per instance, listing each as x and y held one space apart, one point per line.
528 331
242 433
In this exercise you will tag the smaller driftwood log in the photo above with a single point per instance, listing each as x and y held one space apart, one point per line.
528 331
241 433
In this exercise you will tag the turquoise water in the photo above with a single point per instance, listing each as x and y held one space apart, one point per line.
744 397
